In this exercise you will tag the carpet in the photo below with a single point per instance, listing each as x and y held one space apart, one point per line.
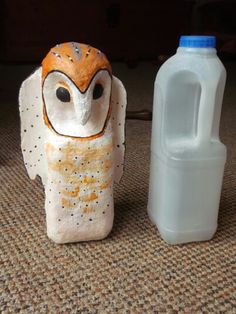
131 271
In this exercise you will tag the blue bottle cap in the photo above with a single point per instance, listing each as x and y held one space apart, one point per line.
197 41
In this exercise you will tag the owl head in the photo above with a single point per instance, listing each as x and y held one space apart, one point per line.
76 90
73 95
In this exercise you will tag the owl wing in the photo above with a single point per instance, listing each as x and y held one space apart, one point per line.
119 101
32 125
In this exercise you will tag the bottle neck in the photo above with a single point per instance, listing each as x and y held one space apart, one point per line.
197 51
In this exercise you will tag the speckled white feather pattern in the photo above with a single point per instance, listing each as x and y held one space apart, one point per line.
79 188
32 126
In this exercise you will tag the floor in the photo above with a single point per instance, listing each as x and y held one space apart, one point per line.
133 270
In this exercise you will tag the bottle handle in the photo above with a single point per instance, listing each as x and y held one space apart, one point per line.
206 114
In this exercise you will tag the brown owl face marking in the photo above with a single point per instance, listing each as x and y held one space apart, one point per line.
87 61
76 90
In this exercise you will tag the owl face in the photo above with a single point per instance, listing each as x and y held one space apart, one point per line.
75 113
76 90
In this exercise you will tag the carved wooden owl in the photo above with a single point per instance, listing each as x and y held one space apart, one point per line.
72 135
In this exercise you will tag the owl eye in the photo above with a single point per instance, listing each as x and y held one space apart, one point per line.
97 91
63 94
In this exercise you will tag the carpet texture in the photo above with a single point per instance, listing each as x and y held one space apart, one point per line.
131 271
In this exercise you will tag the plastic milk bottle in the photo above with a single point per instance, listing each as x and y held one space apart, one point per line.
187 156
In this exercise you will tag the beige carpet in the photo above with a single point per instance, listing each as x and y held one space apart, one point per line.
133 270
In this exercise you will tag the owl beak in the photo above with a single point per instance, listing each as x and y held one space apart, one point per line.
83 111
84 117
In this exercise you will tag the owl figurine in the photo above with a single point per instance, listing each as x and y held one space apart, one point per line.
72 112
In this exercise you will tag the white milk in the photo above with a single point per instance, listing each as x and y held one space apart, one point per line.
187 157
